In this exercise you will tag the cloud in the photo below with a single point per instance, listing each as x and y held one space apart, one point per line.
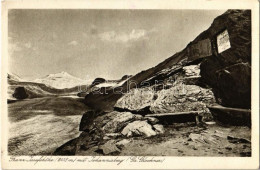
74 43
28 45
134 35
92 47
85 35
13 46
93 29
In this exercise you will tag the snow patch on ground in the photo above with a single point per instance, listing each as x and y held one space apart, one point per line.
111 84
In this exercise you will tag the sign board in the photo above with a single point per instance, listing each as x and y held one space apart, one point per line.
199 50
223 41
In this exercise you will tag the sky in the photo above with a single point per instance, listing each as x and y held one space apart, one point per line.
94 43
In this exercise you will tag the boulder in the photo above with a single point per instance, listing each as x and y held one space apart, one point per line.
234 85
138 128
109 148
112 135
182 98
67 149
113 147
108 123
192 70
118 120
20 93
233 139
98 81
203 138
231 116
120 144
159 128
136 99
179 98
87 120
231 84
102 130
152 120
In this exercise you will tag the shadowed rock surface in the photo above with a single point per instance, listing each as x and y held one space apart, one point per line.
98 81
20 93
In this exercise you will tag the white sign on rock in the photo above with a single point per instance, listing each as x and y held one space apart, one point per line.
223 41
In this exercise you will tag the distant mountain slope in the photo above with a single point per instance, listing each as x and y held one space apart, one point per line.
35 89
15 77
61 80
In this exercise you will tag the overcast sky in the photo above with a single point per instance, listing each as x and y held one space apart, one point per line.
99 43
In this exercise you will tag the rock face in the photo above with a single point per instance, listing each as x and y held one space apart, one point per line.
229 72
20 93
234 85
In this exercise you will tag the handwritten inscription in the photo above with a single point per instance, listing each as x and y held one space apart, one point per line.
92 159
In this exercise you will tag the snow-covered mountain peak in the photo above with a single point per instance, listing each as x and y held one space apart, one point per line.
61 80
62 74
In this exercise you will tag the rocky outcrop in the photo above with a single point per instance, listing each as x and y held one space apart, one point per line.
125 77
212 68
106 132
229 72
20 93
98 81
180 96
